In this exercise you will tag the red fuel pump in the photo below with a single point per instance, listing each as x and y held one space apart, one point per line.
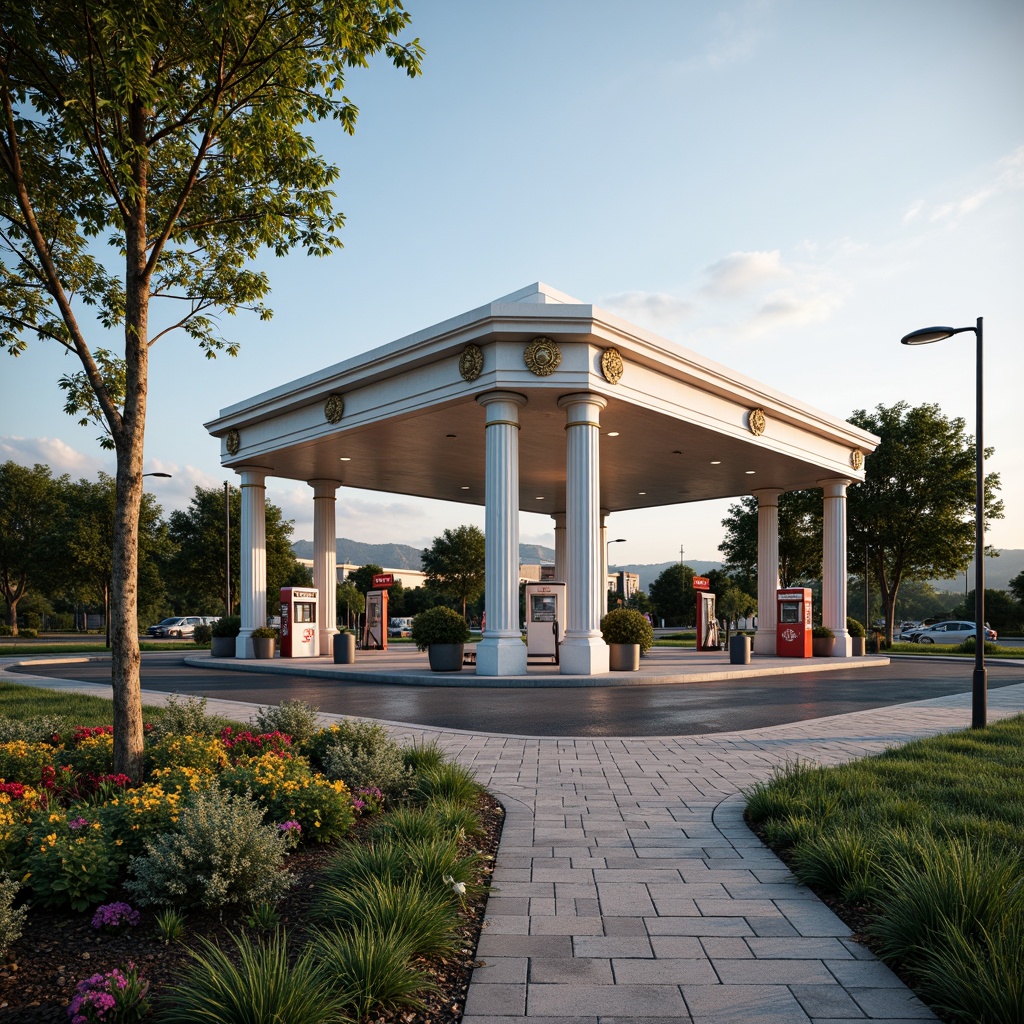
793 623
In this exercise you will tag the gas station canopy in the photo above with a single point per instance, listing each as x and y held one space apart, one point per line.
404 418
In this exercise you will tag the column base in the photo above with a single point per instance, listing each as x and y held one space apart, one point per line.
764 643
326 641
582 656
243 645
501 656
844 645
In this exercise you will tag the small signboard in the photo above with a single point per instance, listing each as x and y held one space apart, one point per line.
383 579
701 583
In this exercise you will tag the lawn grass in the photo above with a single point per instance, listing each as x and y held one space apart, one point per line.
26 647
926 842
21 702
991 650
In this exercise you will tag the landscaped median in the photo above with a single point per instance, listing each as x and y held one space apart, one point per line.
269 871
921 851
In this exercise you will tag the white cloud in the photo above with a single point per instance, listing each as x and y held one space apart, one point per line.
660 311
52 452
742 272
734 38
811 303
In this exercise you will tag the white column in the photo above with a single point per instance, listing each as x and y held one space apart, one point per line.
501 652
583 650
325 559
253 597
833 565
767 568
559 518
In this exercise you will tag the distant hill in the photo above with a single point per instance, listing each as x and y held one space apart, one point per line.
998 573
402 556
649 572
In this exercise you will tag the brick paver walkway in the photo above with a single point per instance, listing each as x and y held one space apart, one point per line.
627 885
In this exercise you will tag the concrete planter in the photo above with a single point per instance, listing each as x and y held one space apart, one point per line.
823 646
263 647
445 657
624 657
222 647
859 645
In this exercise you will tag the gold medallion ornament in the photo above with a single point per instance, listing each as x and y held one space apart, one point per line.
471 362
756 421
334 408
233 442
542 357
856 458
611 365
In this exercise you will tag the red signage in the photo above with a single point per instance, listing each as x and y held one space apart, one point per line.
701 583
384 579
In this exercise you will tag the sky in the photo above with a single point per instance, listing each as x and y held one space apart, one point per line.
785 186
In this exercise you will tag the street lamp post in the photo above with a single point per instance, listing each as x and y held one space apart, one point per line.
979 688
608 563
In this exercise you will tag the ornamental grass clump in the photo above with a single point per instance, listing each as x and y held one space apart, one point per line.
419 756
449 781
222 854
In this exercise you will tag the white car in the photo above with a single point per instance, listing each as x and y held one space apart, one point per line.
955 631
177 625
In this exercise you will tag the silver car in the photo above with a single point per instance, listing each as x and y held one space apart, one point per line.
177 625
955 631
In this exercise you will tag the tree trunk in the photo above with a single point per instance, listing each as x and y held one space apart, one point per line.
12 615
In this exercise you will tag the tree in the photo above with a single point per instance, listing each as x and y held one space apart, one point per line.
672 595
800 527
731 604
194 570
1016 586
173 132
363 577
915 508
30 507
351 599
1002 612
454 564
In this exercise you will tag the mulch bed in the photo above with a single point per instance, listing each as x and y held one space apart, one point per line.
57 950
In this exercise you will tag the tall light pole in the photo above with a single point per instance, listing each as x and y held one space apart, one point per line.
979 688
608 563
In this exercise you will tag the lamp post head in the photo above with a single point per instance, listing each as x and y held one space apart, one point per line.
166 476
927 335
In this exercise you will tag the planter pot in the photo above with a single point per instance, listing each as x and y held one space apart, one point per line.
445 657
263 647
859 644
624 657
822 646
222 647
344 648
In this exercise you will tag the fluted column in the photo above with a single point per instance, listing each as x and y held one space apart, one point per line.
253 585
583 650
325 558
501 652
767 567
559 518
833 565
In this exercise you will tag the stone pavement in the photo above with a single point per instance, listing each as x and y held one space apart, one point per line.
627 886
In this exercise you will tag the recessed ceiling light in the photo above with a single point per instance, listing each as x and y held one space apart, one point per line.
641 492
750 472
451 435
540 497
676 451
344 458
716 462
613 433
465 487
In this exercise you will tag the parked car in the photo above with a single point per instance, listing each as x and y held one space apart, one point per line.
400 627
177 625
953 631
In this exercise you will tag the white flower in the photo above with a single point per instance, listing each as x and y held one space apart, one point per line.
457 887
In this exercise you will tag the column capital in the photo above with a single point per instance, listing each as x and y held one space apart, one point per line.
324 488
581 398
490 397
253 476
559 518
768 495
835 487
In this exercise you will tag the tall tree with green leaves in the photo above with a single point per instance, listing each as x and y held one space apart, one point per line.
915 510
454 564
31 509
194 569
800 526
362 578
672 595
152 150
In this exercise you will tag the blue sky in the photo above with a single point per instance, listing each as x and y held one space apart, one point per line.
787 187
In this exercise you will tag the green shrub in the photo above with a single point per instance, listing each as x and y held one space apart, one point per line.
199 752
6 630
439 625
29 633
822 633
855 628
252 985
627 626
371 972
201 634
456 819
968 647
227 625
423 916
221 854
408 824
91 755
449 781
184 718
12 918
38 729
380 765
70 858
294 718
288 790
266 633
349 731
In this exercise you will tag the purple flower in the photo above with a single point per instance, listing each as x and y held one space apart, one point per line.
115 915
77 823
290 826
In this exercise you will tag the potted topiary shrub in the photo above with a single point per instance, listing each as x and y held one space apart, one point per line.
823 642
628 634
263 641
857 635
442 633
225 631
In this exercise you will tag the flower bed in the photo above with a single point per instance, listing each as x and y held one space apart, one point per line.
229 834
